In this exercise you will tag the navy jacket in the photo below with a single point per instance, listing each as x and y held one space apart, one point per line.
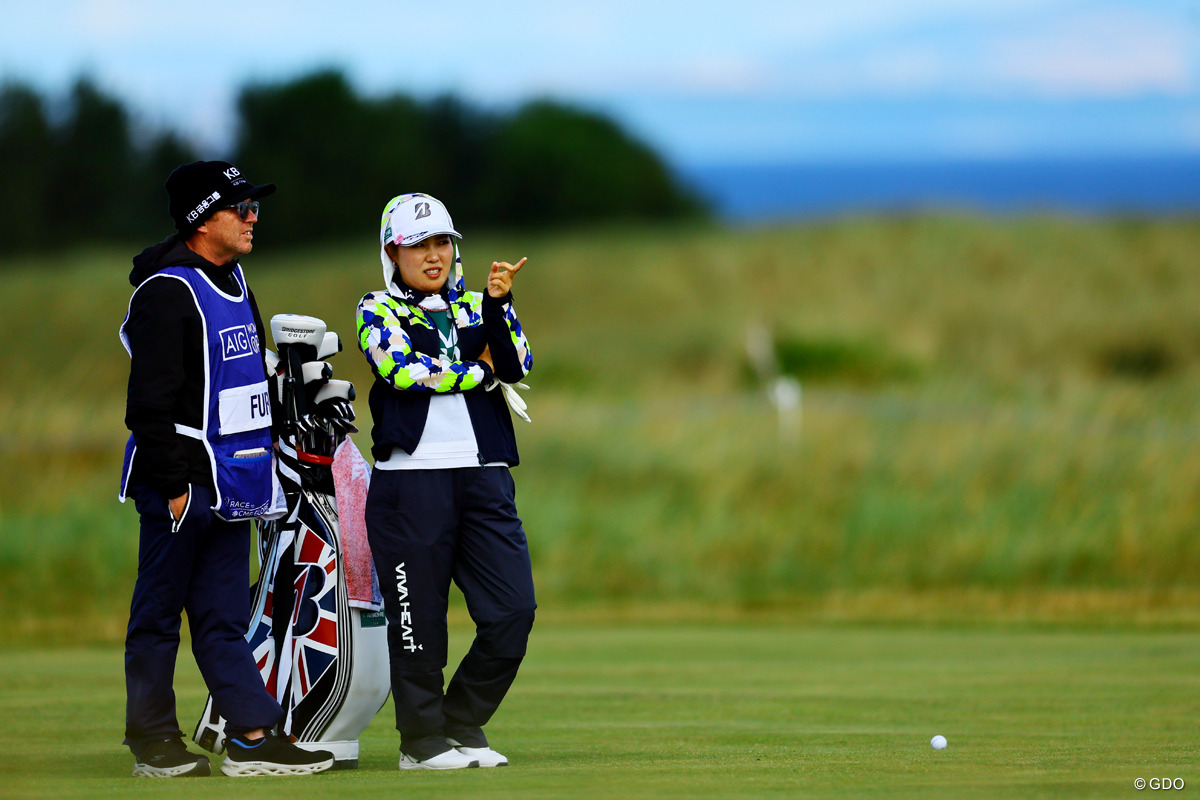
402 346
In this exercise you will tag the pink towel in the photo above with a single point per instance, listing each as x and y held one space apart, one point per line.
351 477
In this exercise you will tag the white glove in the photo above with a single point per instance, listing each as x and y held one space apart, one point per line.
514 400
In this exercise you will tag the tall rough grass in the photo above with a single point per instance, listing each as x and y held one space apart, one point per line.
988 404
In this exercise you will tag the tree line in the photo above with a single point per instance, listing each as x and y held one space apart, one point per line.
86 173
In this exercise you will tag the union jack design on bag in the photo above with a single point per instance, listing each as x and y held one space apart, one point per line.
314 617
313 621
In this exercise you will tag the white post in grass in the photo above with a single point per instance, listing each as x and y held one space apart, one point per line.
783 391
788 398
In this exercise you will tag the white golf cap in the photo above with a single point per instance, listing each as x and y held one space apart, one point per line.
410 218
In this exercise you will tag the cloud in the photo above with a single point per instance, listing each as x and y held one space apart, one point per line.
906 70
103 24
1106 49
1107 52
106 20
592 48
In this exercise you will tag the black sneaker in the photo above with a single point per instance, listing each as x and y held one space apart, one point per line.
272 755
168 758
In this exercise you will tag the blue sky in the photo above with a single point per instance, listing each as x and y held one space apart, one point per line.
747 81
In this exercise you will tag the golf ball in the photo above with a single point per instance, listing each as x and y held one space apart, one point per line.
938 742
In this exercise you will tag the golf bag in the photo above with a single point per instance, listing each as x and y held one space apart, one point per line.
317 629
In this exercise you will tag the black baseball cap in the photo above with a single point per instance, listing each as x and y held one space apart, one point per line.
198 190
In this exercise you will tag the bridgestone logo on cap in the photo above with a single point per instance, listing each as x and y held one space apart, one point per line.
204 204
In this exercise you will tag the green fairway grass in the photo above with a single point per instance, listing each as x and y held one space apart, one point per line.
753 708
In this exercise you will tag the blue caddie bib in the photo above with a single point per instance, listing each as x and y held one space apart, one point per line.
237 404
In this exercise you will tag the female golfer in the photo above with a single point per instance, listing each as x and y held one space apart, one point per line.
441 503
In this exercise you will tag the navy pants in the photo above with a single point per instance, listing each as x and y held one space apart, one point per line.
426 528
202 568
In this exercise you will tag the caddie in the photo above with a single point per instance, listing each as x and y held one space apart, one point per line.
199 467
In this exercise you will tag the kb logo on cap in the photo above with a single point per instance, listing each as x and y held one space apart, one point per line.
232 173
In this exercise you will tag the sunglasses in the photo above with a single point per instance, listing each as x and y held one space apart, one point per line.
245 208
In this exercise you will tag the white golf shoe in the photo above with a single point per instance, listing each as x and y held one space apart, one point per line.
486 756
451 759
